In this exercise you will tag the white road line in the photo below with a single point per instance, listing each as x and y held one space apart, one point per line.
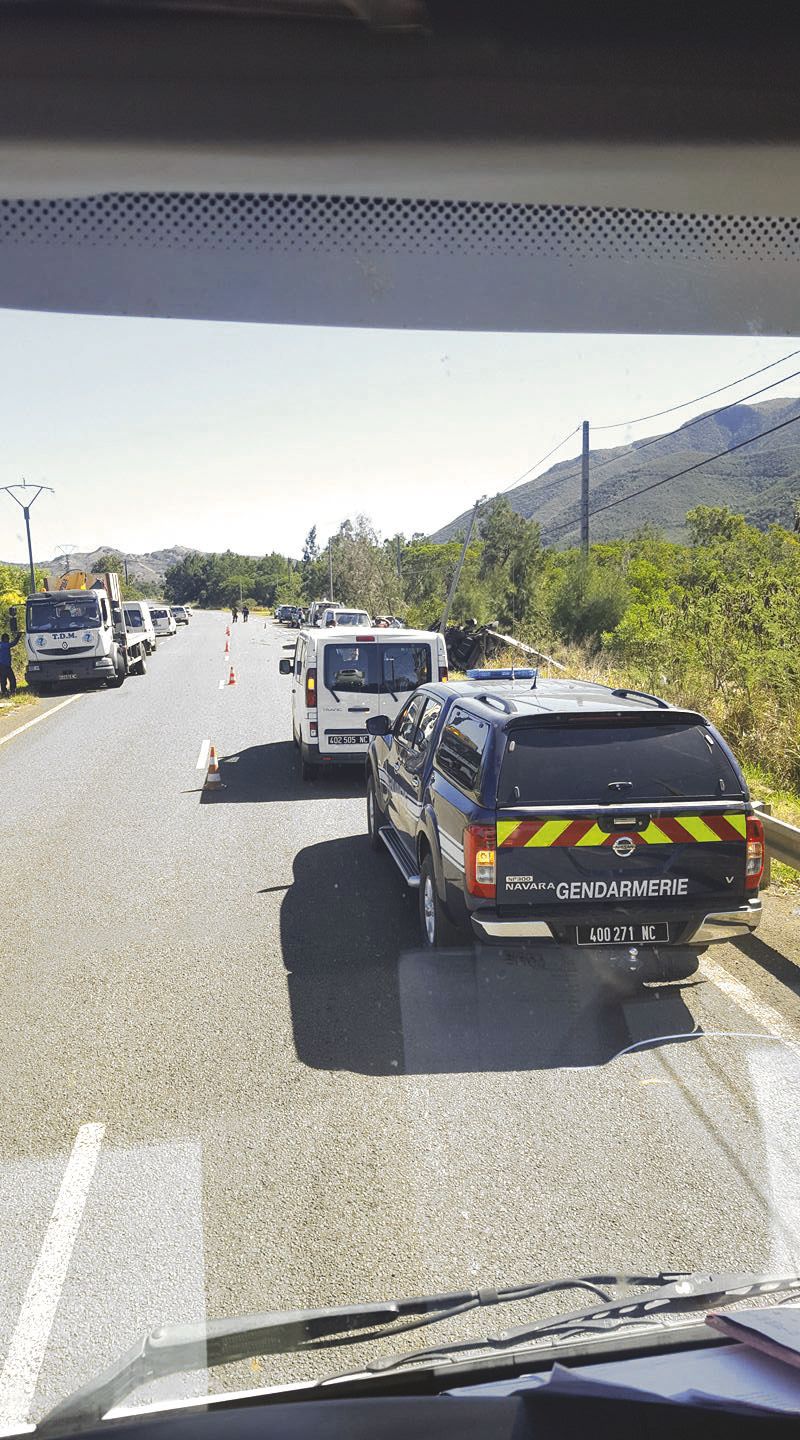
32 1332
36 720
202 759
739 993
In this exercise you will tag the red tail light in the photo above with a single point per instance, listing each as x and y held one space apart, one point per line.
480 860
311 688
754 865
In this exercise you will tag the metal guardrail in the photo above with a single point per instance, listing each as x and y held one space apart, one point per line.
783 840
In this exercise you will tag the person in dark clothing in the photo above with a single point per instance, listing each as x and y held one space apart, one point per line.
234 614
245 612
8 680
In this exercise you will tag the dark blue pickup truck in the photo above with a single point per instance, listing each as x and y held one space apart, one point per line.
559 811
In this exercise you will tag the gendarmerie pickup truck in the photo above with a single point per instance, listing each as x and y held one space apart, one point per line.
563 812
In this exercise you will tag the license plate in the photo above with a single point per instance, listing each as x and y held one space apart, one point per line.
624 934
347 739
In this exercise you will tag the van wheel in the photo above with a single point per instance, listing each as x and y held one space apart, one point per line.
375 816
437 929
309 771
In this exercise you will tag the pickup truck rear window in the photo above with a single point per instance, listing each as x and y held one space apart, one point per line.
599 764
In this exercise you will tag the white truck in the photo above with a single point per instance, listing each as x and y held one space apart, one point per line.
78 632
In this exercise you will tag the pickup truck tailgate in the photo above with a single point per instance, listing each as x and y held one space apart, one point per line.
676 854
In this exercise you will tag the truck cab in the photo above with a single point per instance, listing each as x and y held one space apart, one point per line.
80 634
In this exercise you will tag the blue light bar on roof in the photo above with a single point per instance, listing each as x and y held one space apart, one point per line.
522 674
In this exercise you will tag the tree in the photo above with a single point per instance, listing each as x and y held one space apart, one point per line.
108 561
512 556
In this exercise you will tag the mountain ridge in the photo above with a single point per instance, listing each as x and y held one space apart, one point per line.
761 480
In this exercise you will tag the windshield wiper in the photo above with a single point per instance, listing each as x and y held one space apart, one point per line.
172 1349
679 1292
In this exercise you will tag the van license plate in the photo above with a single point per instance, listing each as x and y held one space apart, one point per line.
343 739
624 934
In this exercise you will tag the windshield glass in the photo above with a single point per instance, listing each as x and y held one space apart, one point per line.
75 613
305 1003
601 764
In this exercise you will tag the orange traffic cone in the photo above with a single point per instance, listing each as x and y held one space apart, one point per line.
227 629
212 780
232 677
227 647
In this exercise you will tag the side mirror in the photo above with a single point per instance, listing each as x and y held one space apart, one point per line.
286 666
379 725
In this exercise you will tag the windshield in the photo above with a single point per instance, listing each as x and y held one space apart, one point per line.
75 613
305 1003
601 764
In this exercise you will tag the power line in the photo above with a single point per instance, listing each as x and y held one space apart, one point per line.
689 468
620 424
536 465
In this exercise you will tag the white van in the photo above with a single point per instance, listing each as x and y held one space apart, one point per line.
138 617
163 619
343 676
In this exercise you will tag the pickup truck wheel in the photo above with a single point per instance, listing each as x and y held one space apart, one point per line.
375 816
437 929
141 668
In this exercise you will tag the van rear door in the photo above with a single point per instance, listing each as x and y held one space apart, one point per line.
406 663
642 813
348 691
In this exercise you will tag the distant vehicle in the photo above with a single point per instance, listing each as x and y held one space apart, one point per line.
341 677
561 812
79 632
180 614
317 610
163 620
335 615
138 617
388 622
282 612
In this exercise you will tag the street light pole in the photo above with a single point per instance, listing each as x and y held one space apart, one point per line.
25 506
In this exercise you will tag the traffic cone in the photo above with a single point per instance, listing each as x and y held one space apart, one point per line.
227 629
232 677
227 647
212 780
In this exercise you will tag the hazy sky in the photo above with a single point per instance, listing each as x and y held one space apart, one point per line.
156 432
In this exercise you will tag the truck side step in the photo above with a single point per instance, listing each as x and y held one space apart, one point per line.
399 856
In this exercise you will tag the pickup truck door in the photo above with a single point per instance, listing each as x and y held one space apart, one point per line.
403 800
410 759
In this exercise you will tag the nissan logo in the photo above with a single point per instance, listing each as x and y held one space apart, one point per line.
623 846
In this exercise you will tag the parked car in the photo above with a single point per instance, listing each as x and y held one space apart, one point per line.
138 617
180 614
341 677
337 615
163 619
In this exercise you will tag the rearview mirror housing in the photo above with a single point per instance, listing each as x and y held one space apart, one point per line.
378 725
286 666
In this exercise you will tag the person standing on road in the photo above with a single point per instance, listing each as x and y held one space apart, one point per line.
234 614
7 676
245 612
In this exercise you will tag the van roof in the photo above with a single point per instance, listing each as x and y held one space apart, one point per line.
351 633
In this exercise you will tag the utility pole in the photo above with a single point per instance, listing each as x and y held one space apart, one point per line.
585 490
399 572
459 567
25 506
330 567
65 551
125 563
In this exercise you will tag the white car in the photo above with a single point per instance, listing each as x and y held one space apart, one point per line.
139 619
180 614
337 615
341 677
163 620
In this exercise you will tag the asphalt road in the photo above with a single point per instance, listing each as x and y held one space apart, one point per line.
298 1106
